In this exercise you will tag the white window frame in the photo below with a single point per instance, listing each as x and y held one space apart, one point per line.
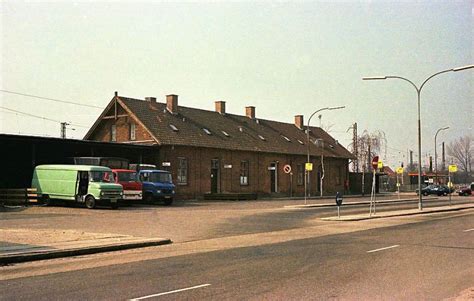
113 133
133 129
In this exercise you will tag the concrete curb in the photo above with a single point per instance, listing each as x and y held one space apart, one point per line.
396 214
51 254
358 203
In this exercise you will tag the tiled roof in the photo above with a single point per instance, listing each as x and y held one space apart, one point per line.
242 132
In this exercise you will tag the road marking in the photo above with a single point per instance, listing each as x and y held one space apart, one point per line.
381 249
171 292
468 230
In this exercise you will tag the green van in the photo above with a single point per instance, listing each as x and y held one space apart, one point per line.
85 184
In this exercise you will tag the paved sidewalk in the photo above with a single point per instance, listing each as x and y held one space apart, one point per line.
19 245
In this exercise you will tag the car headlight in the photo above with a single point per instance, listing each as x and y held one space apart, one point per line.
173 192
121 193
158 191
102 192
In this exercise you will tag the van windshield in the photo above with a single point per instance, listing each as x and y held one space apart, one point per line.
100 176
160 177
127 176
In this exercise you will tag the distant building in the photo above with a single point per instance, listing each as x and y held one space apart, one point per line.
217 152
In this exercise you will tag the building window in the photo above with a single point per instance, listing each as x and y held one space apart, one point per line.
300 174
173 127
113 133
132 131
182 178
244 172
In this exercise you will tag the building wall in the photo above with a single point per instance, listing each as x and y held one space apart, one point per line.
259 179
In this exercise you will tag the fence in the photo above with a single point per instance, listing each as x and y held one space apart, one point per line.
20 196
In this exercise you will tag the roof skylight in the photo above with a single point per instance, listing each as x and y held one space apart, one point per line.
173 127
207 131
286 138
300 142
261 137
225 133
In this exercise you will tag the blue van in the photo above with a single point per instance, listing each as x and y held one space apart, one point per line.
157 185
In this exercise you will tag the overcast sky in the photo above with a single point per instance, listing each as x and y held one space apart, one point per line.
283 58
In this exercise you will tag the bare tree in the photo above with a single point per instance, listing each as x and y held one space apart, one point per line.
368 145
461 150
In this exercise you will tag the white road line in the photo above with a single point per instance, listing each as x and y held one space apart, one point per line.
381 249
170 292
468 230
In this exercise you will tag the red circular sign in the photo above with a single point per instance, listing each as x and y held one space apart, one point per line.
375 162
287 168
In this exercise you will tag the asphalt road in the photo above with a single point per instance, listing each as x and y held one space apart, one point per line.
432 259
194 221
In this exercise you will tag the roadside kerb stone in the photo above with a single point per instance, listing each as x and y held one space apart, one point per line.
399 213
50 244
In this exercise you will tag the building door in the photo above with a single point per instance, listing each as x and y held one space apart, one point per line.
214 175
273 177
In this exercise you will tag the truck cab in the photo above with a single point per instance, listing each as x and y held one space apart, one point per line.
132 187
157 185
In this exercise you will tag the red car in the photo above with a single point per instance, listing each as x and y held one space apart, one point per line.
132 187
466 191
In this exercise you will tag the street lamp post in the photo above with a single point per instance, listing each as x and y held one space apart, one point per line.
322 168
418 92
436 154
306 182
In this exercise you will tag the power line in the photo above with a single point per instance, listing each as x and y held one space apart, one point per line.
40 117
52 99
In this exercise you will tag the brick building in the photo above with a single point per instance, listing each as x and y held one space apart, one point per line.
216 152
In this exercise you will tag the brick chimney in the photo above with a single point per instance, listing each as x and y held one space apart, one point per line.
150 99
220 107
299 121
250 112
172 103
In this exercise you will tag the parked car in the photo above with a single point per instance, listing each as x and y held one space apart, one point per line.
466 191
157 185
84 184
445 190
435 189
132 187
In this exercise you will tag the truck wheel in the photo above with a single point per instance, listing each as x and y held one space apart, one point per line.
168 202
90 202
149 199
45 200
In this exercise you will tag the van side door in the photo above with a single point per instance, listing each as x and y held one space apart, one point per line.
83 183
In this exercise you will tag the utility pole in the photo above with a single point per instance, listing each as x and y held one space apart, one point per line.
63 129
356 147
